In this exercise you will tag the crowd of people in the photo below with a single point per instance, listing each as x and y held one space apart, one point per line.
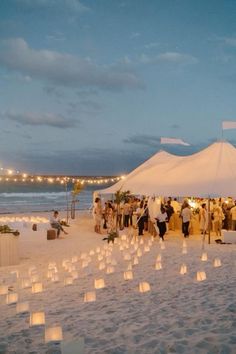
134 212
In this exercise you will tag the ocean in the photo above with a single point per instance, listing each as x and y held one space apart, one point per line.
24 197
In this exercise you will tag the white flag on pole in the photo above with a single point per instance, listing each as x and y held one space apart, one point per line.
174 141
229 124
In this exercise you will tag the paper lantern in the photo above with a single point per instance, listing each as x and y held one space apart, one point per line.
204 257
12 298
98 249
141 242
146 249
132 242
74 259
135 261
183 269
68 281
144 287
158 266
37 288
184 250
37 319
217 262
65 262
50 273
15 273
102 266
129 266
34 278
158 258
123 237
53 334
22 307
52 265
110 270
99 283
201 276
127 257
121 248
92 253
90 296
55 278
74 274
128 275
84 264
116 241
83 256
184 243
139 252
3 289
108 260
100 257
26 283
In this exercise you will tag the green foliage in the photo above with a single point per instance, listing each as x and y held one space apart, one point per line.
111 236
5 229
77 188
121 196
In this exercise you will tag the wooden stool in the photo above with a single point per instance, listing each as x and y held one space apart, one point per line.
51 234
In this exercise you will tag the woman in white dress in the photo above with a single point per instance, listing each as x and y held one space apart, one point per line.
203 215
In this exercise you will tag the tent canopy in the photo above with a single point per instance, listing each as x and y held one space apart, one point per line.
208 173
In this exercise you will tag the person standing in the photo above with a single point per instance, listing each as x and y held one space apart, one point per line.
169 211
203 216
141 218
126 213
97 213
186 217
161 222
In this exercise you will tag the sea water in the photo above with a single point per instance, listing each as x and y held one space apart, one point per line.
22 197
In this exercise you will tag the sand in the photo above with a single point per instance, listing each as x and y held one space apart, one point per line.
178 315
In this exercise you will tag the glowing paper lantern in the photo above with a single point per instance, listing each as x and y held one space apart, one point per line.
91 253
74 259
158 266
135 261
99 283
74 274
139 252
201 276
128 275
37 288
110 270
12 298
15 273
32 270
84 264
184 250
183 269
184 243
129 266
121 248
26 283
3 289
204 257
100 257
141 242
55 278
116 241
22 307
83 255
65 262
50 273
68 281
144 287
90 296
37 319
108 260
52 265
217 262
158 258
53 334
34 278
102 266
127 257
123 237
98 249
146 249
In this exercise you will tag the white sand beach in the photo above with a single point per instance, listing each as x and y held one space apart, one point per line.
178 315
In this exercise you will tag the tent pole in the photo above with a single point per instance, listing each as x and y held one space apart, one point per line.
209 222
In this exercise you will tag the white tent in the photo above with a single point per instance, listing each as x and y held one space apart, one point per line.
208 173
160 159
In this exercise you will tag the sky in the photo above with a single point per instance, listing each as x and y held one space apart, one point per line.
89 87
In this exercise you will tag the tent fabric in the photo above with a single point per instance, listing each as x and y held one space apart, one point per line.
157 159
208 173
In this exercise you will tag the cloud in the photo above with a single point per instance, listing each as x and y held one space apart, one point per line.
169 57
229 41
63 69
143 139
151 45
134 35
70 5
40 119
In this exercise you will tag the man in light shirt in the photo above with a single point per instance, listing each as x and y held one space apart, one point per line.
186 217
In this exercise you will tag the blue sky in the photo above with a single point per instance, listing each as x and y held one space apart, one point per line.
89 87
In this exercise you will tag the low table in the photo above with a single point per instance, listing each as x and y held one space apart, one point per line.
229 236
9 253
